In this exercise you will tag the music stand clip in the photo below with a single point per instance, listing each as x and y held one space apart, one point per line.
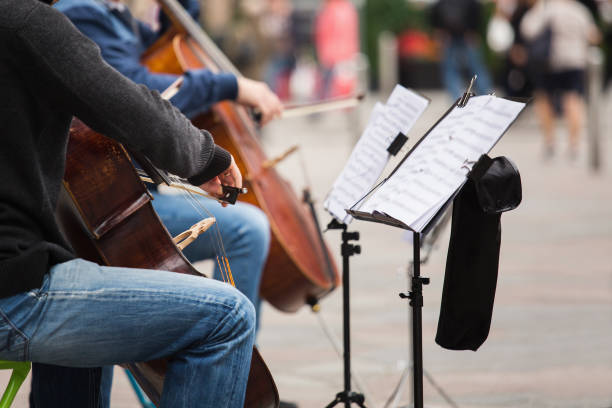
468 93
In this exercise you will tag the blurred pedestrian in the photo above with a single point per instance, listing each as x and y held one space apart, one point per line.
275 25
568 28
456 24
337 44
517 80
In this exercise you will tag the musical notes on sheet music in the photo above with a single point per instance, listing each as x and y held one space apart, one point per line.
370 156
438 166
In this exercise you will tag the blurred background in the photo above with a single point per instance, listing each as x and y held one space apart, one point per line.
396 40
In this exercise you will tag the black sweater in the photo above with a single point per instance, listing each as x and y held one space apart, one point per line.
48 73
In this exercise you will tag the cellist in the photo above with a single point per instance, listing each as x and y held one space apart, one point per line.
244 228
58 309
122 39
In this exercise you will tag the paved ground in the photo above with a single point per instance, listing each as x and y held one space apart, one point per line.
551 338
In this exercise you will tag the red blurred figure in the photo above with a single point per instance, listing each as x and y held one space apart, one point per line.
337 44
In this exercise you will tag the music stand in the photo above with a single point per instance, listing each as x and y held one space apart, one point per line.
416 293
347 250
418 233
428 244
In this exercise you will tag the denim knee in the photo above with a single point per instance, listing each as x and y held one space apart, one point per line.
246 313
237 322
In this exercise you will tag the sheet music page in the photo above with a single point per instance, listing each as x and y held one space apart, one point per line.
440 163
369 157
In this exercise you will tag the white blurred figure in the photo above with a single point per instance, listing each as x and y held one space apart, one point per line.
572 31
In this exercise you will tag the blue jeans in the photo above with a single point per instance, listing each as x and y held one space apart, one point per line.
245 234
460 54
86 315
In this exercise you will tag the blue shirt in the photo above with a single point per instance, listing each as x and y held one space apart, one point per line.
122 40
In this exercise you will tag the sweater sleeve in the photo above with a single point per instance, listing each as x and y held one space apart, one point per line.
58 58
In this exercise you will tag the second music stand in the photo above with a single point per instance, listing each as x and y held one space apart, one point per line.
347 397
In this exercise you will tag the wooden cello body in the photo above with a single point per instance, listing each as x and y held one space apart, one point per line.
105 211
299 269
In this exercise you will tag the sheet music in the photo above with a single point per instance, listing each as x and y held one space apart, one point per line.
370 156
440 163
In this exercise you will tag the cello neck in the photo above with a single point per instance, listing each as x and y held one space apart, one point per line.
183 21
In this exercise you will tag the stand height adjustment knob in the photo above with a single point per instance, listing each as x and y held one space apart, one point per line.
350 249
350 236
424 281
416 298
419 280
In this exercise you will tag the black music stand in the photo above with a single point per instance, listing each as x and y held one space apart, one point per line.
417 281
347 250
416 293
439 226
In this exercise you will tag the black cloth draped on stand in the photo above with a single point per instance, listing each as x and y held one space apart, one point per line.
493 186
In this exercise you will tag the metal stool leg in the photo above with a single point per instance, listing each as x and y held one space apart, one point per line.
144 401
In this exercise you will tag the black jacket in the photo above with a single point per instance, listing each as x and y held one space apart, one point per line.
48 73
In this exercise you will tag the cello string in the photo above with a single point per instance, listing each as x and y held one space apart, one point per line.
215 238
217 230
191 200
177 183
201 210
217 241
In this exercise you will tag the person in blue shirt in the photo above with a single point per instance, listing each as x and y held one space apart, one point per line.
244 228
123 39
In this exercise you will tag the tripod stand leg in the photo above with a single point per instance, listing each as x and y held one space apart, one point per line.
393 399
347 398
334 402
360 384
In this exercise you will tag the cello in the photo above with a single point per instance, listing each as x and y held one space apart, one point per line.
105 212
299 269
